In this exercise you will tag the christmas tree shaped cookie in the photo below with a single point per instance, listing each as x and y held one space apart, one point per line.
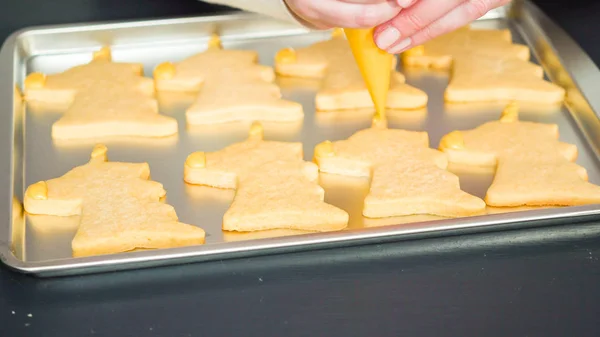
275 187
490 78
342 84
119 207
61 88
107 109
533 168
408 178
104 99
485 66
232 87
440 52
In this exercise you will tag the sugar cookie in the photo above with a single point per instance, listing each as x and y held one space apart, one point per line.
490 78
232 87
104 99
440 52
119 206
533 168
485 65
408 178
62 87
105 109
275 187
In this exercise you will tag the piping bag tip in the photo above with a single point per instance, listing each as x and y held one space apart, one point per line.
375 65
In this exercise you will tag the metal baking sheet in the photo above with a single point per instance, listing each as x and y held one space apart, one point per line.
41 245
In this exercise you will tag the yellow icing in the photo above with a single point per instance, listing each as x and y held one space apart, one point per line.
379 121
102 54
415 51
454 140
196 160
337 32
375 65
35 81
510 113
164 71
214 42
256 131
99 151
38 191
324 149
287 55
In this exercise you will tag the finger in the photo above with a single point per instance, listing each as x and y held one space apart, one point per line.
334 13
463 14
406 3
412 20
364 2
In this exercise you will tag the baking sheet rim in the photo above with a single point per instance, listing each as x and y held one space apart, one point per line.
70 266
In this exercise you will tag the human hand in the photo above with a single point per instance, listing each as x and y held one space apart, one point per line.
401 24
423 20
325 14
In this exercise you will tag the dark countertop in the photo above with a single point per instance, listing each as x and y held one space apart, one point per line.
521 283
540 282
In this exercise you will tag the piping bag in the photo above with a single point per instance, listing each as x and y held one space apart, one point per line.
375 66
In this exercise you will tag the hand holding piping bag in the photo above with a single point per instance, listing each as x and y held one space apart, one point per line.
399 24
376 29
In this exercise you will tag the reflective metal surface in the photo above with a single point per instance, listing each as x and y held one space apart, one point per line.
41 244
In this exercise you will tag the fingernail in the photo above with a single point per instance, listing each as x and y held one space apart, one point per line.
404 3
388 37
400 46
